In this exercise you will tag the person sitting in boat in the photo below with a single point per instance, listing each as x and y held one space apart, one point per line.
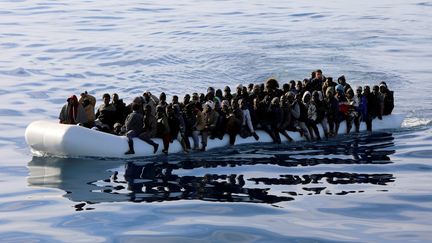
328 83
234 118
321 111
86 95
372 107
210 94
149 129
343 107
311 121
133 124
219 94
210 118
298 114
380 101
247 128
221 123
275 115
227 94
287 121
163 128
105 115
72 112
149 99
90 114
332 108
272 88
177 125
388 98
318 81
342 81
362 108
353 115
120 109
162 100
198 125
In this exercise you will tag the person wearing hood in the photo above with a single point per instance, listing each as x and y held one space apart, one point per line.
72 112
133 124
312 115
210 119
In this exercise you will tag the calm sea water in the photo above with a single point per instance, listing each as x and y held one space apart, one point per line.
357 188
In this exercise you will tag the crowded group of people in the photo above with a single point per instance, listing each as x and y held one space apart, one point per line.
295 106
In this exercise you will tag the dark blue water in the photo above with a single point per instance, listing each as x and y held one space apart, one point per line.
358 188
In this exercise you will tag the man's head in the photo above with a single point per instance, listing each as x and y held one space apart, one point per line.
106 98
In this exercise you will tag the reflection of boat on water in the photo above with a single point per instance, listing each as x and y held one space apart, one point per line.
198 178
51 138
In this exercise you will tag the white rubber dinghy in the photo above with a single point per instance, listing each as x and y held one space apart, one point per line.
49 138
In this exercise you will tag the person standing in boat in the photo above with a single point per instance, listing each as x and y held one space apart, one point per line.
105 115
332 111
72 112
149 128
133 124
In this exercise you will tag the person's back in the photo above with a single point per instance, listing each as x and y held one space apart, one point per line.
134 122
90 114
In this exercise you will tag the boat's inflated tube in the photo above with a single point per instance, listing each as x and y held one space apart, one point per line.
53 139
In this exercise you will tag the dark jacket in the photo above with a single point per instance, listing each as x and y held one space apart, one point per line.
134 122
106 114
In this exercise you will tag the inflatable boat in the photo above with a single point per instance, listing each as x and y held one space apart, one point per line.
49 138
